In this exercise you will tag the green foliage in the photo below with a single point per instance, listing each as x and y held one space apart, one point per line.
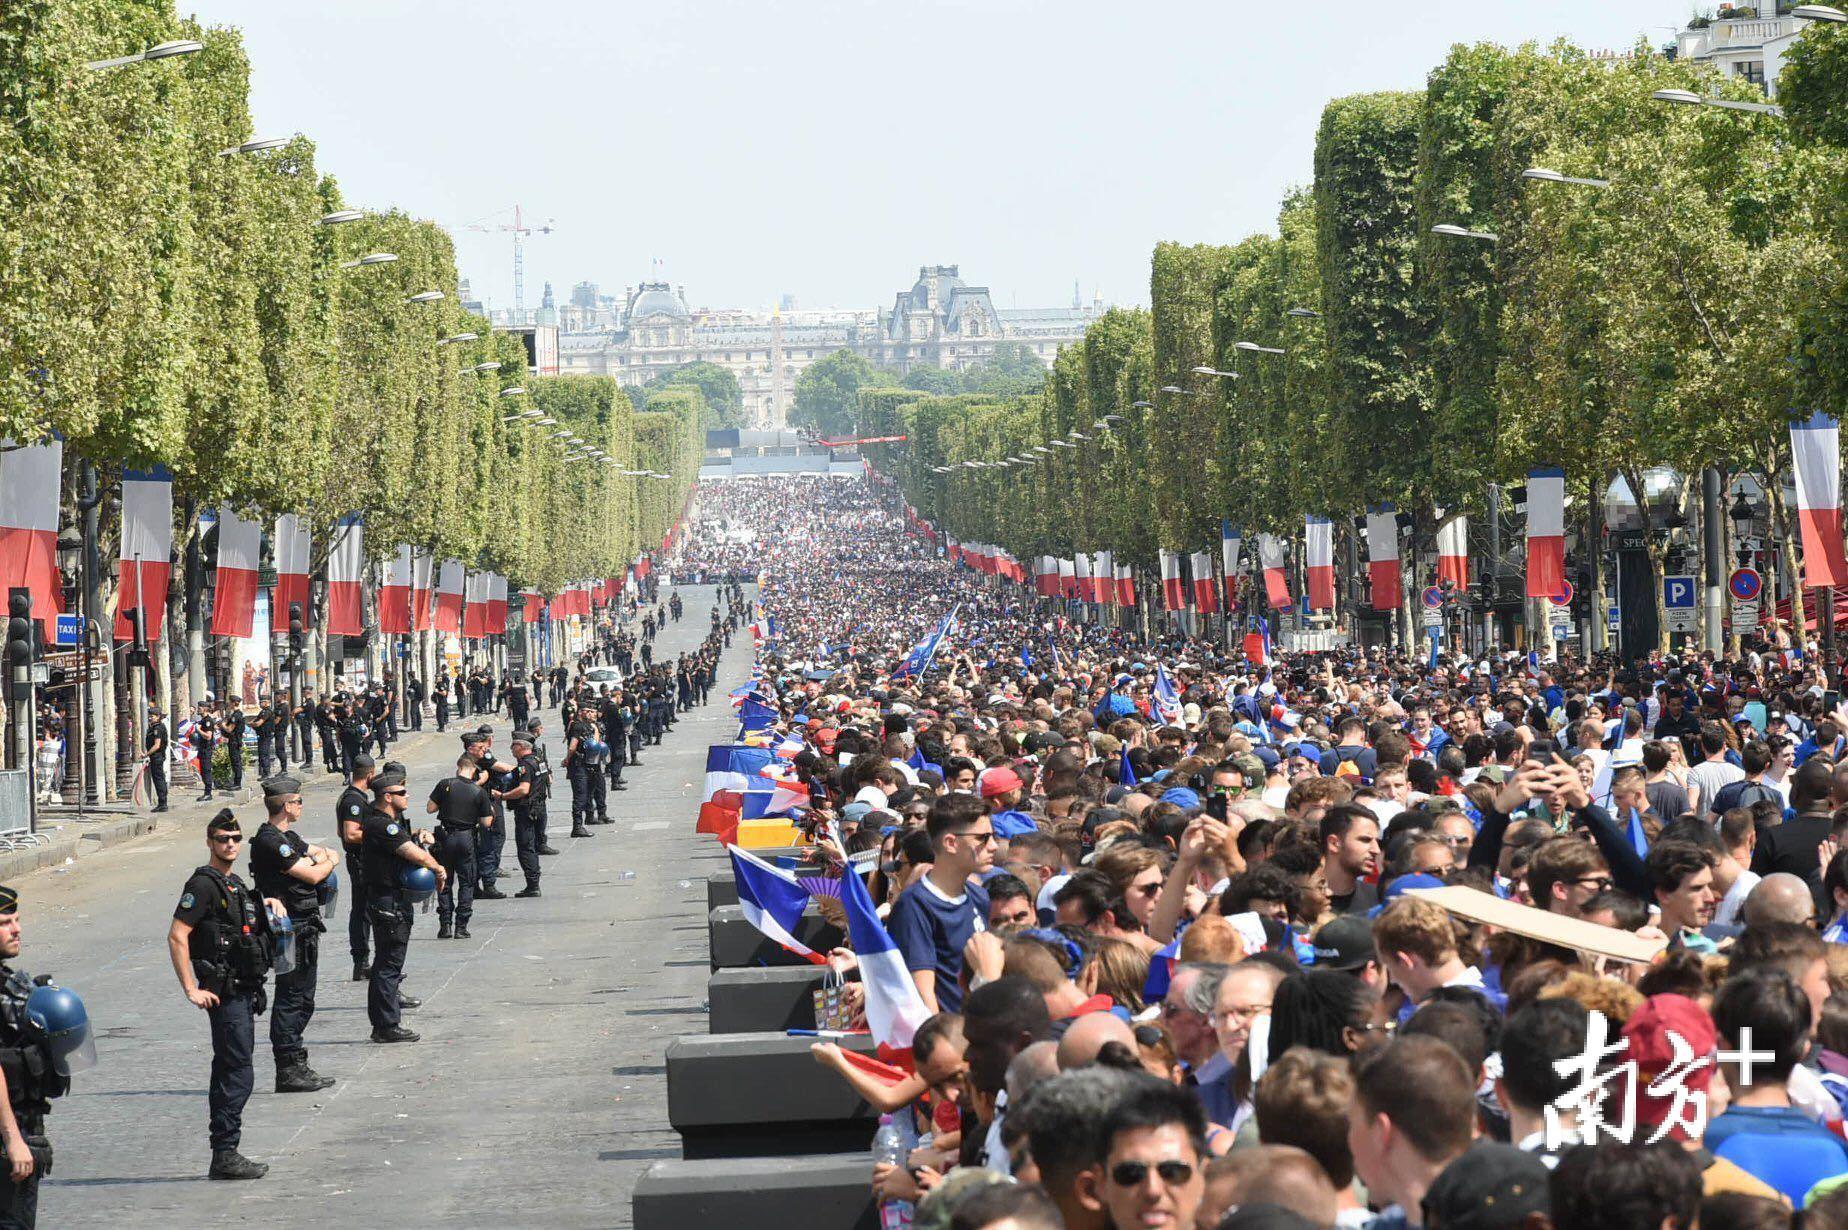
826 391
1182 464
724 399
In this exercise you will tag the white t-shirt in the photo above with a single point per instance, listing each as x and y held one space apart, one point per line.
1726 913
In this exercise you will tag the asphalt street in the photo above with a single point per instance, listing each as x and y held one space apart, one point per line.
536 1096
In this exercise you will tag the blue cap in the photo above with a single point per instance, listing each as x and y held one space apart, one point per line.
1268 754
1406 883
855 811
1181 796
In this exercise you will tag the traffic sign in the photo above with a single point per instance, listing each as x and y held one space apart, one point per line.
69 628
1745 616
1745 584
1613 616
1433 597
1678 593
1433 618
1564 596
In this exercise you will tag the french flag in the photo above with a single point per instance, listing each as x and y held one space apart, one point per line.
1815 450
1046 576
1230 539
147 548
497 604
1081 571
1258 644
894 1009
1167 697
787 793
530 612
395 594
1453 551
1205 586
1126 585
293 542
1383 557
1319 553
1068 579
29 491
450 587
1546 531
1103 577
475 613
234 598
771 900
422 585
1274 558
1173 591
346 577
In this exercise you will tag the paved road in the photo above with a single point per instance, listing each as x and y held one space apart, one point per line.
536 1096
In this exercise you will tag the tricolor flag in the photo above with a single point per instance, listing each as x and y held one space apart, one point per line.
1258 643
1167 697
1205 587
1081 571
1274 558
346 575
451 588
1173 591
894 1009
918 660
1230 538
1319 556
1126 585
234 597
497 604
292 567
395 594
1068 579
423 585
530 612
147 550
1383 557
1815 451
29 492
1546 532
1103 577
1046 576
772 901
1453 551
788 793
475 611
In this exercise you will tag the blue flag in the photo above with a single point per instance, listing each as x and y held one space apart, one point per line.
1126 774
1639 841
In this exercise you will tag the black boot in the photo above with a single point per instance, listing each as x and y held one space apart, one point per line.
297 1077
489 892
362 970
532 890
461 931
230 1164
396 1033
549 849
442 930
578 830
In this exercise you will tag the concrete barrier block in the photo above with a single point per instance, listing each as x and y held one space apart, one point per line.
745 1095
763 999
734 943
721 889
758 1193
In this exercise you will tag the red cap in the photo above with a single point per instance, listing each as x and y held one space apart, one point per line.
1647 1032
997 781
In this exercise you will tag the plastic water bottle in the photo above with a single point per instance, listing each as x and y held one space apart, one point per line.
889 1147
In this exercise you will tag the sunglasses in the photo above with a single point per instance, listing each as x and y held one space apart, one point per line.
1134 1174
391 793
980 839
227 837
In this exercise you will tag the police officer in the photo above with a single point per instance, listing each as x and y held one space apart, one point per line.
287 867
349 816
156 743
439 693
581 734
204 736
36 1066
231 726
461 807
519 794
615 720
389 846
542 781
219 943
265 731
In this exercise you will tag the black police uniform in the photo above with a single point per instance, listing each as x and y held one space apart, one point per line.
528 819
273 852
389 911
156 743
577 771
204 736
461 808
229 947
353 804
32 1081
233 728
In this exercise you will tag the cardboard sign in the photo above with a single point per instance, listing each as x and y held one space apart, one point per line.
1575 933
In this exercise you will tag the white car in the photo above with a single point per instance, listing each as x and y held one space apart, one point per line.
603 674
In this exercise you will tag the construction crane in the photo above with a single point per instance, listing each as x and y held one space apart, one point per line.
520 231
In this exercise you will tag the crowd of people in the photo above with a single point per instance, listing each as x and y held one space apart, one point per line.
1339 939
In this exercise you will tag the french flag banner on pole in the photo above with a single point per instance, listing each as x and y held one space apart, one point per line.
1081 573
346 578
1046 576
1274 558
497 604
29 492
1453 551
1068 579
1546 532
422 590
1230 539
395 594
1103 576
1173 592
1205 584
1126 585
772 901
1815 450
147 550
293 543
894 1009
1383 557
449 590
234 598
1319 552
475 613
530 612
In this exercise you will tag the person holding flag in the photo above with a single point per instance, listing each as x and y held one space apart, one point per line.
932 920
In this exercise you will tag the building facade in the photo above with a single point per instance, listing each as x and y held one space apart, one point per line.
939 322
1743 41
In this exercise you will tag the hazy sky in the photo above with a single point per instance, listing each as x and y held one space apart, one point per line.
827 148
